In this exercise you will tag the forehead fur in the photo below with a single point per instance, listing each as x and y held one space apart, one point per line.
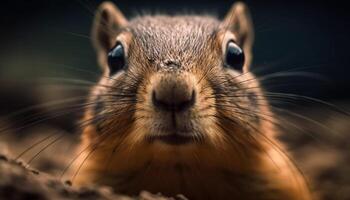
163 37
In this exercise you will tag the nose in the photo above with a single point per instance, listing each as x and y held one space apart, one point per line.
177 103
173 96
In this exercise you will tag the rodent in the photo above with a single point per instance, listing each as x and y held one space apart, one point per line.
177 111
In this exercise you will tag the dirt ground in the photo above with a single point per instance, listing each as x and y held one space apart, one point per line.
18 182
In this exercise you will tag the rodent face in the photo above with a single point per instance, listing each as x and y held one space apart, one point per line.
175 90
173 61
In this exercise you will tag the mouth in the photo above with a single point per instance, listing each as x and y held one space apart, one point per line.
173 139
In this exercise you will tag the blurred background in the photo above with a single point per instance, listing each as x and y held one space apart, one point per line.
45 46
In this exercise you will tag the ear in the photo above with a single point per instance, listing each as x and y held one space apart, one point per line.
108 20
238 20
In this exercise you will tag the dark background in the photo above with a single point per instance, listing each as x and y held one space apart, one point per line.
38 36
47 38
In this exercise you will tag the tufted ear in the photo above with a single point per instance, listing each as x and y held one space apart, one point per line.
108 20
238 20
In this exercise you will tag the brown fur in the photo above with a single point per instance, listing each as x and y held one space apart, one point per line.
235 156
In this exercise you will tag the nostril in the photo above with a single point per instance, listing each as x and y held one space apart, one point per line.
176 103
187 103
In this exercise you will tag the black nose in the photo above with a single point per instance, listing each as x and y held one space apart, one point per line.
174 101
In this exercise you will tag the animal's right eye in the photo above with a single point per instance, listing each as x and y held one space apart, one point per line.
116 59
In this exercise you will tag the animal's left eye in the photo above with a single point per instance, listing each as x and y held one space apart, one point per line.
234 57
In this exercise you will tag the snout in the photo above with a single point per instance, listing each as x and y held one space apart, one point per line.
173 94
173 98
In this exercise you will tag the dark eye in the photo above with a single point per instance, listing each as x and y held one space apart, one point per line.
234 57
116 59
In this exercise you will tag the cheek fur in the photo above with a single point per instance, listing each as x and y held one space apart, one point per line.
252 98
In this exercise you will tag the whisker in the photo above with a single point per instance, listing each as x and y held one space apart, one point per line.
38 118
79 154
89 146
95 146
290 113
287 158
76 34
291 96
280 151
270 118
34 145
59 137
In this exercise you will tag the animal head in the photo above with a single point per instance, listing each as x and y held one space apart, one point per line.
176 81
